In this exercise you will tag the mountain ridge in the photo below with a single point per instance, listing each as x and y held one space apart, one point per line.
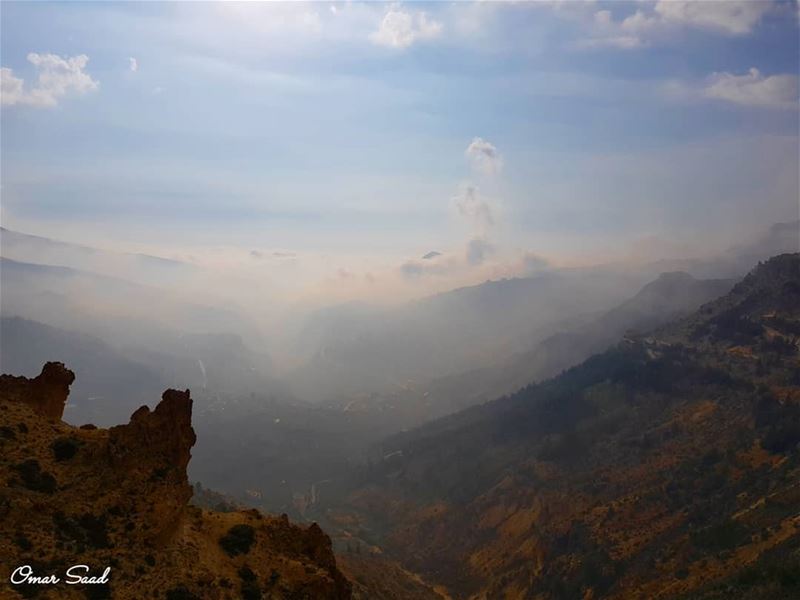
663 467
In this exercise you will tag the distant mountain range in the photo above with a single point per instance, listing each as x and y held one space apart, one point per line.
669 296
298 444
106 305
358 348
140 268
115 379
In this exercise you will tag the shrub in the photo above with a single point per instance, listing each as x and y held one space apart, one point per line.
238 540
34 478
250 587
64 448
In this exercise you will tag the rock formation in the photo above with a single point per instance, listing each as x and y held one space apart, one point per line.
46 393
118 498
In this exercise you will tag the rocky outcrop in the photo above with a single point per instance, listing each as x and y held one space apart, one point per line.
46 394
164 434
118 498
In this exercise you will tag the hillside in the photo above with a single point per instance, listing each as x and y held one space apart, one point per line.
664 467
358 349
119 498
669 296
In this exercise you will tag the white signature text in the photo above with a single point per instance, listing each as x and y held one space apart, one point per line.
76 574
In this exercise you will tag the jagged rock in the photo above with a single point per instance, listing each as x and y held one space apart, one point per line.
47 393
164 434
119 498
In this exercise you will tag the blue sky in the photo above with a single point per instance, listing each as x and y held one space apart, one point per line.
369 134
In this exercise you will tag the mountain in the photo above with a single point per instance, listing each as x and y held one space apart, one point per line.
118 499
357 349
179 341
283 449
780 238
125 296
140 268
109 385
666 466
104 305
669 296
121 371
664 299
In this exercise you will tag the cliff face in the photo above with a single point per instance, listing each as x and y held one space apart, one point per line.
118 498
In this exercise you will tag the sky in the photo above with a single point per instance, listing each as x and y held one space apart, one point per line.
334 145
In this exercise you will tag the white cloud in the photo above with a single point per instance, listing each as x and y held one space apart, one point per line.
753 89
606 33
133 64
57 77
657 21
401 29
639 23
484 157
732 17
11 88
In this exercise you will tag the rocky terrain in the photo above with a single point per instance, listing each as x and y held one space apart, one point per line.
119 498
665 467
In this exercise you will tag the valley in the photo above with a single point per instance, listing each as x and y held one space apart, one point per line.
400 300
